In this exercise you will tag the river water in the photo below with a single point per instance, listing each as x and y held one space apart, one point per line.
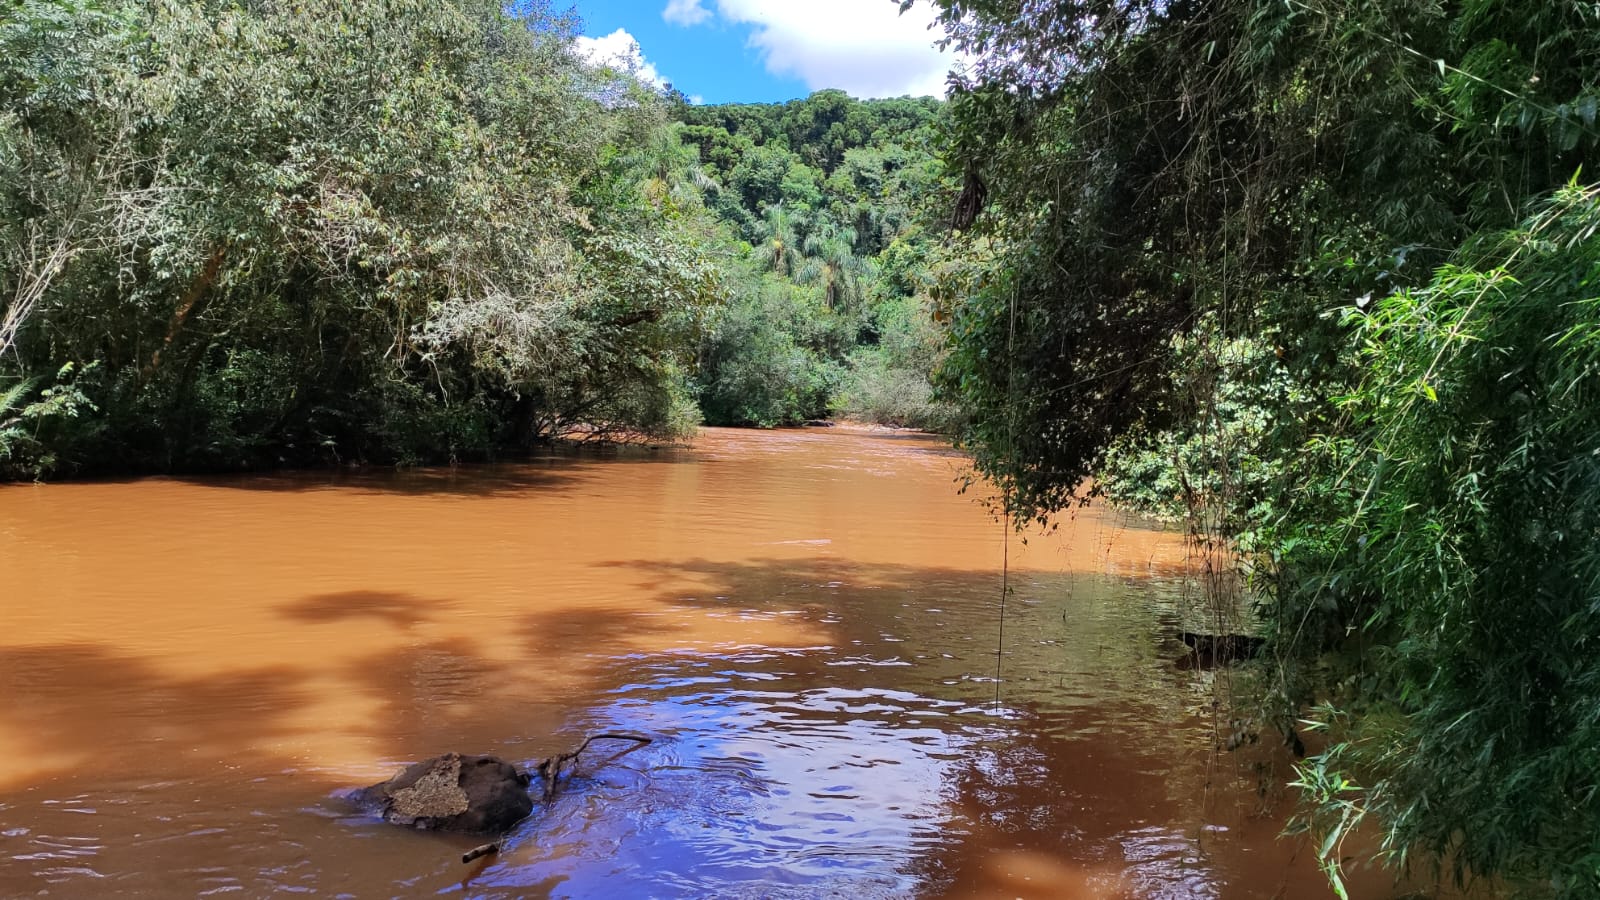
806 622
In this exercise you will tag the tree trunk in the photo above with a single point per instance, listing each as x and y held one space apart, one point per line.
186 308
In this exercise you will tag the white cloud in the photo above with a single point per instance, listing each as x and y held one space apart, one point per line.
620 51
685 12
865 47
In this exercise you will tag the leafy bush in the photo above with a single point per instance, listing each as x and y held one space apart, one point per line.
888 381
769 358
1468 561
30 430
1232 397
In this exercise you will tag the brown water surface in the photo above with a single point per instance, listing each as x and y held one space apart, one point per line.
806 622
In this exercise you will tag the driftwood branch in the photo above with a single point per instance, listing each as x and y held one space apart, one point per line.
480 852
549 771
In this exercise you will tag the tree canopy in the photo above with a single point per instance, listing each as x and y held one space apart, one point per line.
252 235
394 230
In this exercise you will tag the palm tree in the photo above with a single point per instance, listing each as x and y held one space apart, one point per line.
671 169
830 256
783 243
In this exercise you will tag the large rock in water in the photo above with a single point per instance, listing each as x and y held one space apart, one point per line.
465 794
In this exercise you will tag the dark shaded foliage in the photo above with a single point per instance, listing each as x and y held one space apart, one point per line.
1195 212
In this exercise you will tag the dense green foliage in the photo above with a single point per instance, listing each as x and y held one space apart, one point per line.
1467 549
244 235
1307 273
239 235
1242 166
830 199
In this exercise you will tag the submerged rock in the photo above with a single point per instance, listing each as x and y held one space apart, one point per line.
1210 650
463 794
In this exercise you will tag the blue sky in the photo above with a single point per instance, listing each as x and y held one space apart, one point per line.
723 51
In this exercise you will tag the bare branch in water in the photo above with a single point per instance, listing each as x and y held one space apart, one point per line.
549 771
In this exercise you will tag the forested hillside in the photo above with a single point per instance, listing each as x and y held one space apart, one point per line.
831 200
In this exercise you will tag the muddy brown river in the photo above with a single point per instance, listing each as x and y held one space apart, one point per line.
806 622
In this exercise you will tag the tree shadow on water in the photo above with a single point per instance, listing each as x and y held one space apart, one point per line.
400 610
126 776
540 471
460 481
74 703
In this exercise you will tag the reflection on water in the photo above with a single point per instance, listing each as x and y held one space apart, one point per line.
806 622
751 785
